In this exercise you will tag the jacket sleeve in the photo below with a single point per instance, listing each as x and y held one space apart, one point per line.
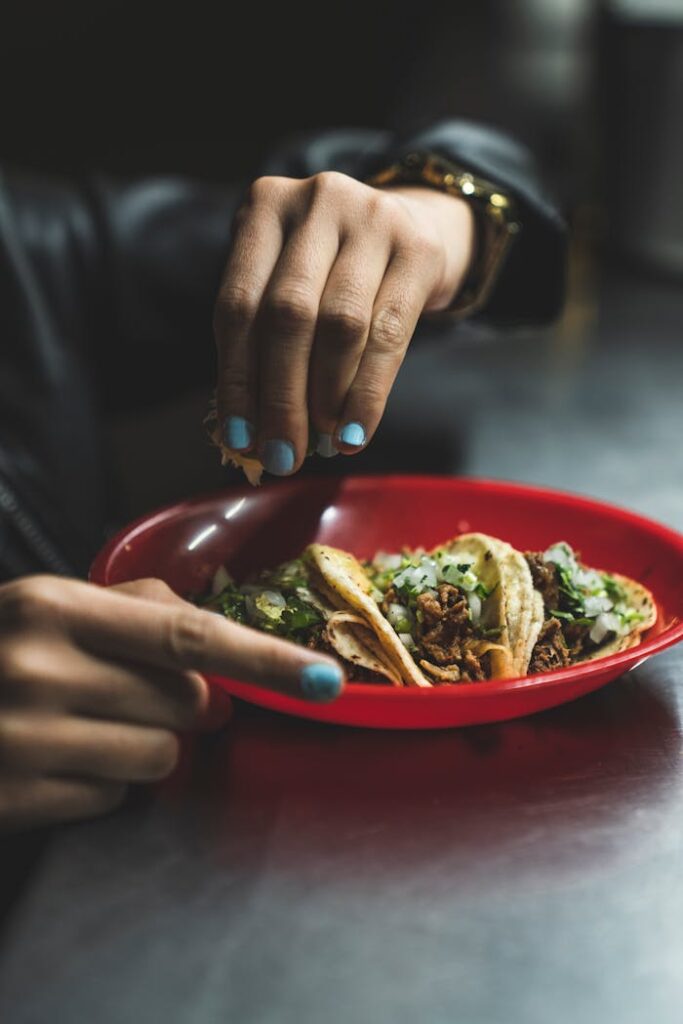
530 287
129 271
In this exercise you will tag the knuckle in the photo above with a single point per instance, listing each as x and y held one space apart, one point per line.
283 404
161 755
291 310
344 322
382 208
153 589
236 306
422 246
371 393
186 639
18 664
388 328
194 696
33 599
264 188
234 384
331 183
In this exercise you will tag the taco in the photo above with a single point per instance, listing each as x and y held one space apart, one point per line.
579 613
470 610
440 616
293 602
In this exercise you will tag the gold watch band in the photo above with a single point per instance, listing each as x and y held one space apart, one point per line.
495 213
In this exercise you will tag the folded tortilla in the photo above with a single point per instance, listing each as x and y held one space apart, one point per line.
457 625
471 609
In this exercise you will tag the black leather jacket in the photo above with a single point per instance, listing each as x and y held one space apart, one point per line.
106 295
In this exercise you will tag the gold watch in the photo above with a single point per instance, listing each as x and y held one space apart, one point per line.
495 214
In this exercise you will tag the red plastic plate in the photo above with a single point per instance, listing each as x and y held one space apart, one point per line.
246 529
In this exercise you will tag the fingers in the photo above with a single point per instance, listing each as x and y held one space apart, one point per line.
257 241
150 588
285 329
325 282
184 638
60 745
45 801
342 330
51 672
146 696
398 305
198 705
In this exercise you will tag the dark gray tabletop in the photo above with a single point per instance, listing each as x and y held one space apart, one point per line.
519 873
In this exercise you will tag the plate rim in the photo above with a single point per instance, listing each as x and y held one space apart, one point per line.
491 688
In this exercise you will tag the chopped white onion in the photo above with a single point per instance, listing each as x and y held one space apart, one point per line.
474 602
396 614
466 580
419 577
260 604
595 605
561 554
589 580
221 580
606 622
407 641
383 560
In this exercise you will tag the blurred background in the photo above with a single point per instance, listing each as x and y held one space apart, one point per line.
595 87
208 89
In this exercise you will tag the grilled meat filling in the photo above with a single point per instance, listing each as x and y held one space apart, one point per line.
550 650
545 580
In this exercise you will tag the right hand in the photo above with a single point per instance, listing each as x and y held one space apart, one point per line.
95 683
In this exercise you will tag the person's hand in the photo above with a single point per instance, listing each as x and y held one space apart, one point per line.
95 683
324 284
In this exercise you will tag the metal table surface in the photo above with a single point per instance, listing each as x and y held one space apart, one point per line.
520 873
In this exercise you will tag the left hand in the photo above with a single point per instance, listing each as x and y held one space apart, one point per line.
324 285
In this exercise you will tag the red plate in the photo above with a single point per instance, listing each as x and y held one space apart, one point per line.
246 529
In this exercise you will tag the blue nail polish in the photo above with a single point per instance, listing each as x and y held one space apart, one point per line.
326 446
237 433
352 434
321 683
278 457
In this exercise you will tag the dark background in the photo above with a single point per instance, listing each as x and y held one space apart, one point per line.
208 89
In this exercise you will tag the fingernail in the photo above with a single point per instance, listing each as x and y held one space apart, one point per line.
278 457
237 433
321 682
353 434
326 446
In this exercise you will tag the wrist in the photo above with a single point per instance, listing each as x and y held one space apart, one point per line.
494 212
451 220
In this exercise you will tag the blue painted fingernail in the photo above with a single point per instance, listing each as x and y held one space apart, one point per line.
278 457
352 434
322 683
326 446
237 433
